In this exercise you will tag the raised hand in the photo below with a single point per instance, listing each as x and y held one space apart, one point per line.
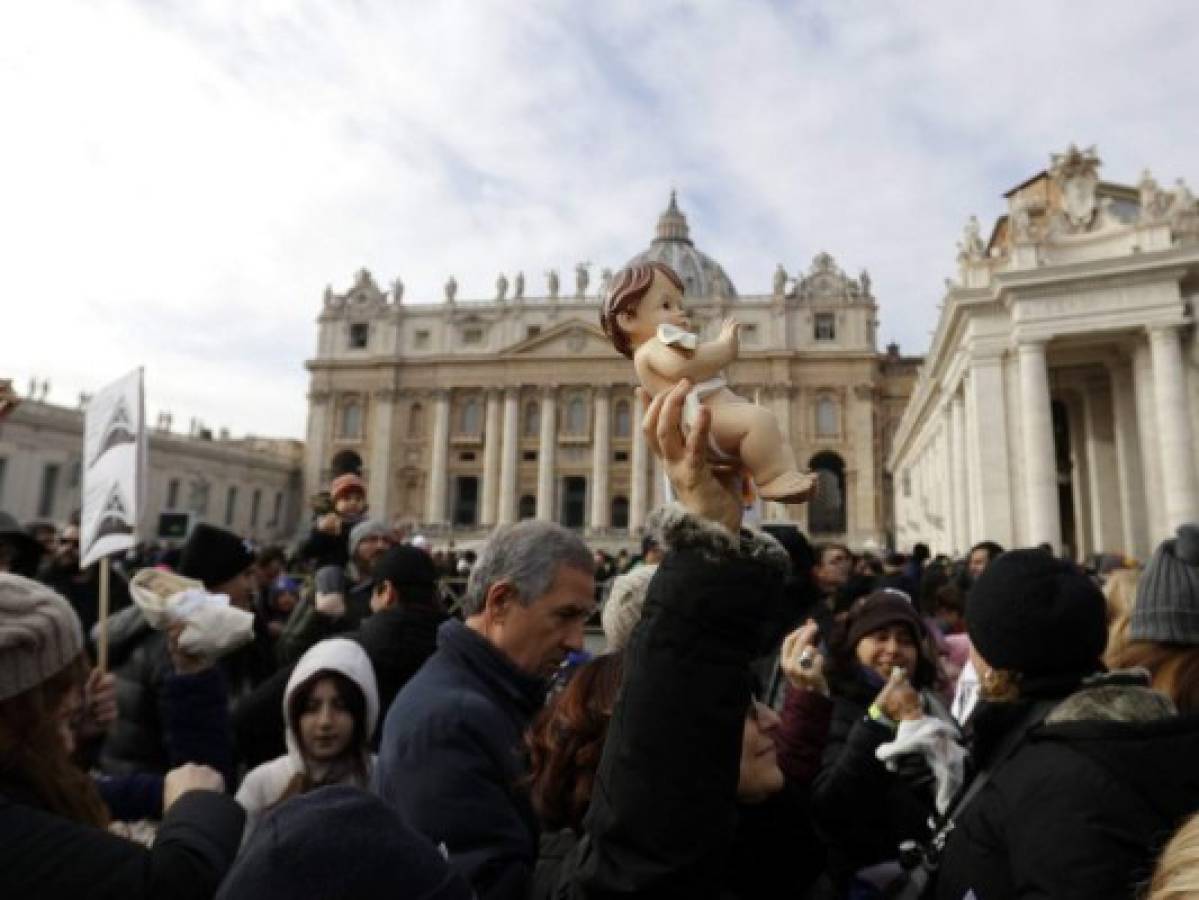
802 663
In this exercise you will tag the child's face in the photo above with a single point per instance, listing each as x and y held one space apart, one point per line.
326 726
285 601
661 305
349 504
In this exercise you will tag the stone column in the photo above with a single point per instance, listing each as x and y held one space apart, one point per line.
435 508
491 458
508 457
945 475
862 505
1133 513
1103 470
638 466
545 454
381 442
781 397
1174 428
1151 457
989 463
1040 461
315 446
958 475
601 457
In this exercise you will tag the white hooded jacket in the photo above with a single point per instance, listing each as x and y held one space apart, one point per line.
267 782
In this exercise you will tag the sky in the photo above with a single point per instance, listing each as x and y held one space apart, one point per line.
180 179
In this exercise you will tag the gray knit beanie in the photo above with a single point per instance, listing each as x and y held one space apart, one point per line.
363 530
1167 605
39 634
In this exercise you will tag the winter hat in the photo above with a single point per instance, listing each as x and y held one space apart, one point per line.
1036 615
1167 604
884 607
622 609
27 550
214 555
346 484
39 634
363 530
301 849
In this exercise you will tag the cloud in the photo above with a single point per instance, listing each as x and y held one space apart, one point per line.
181 180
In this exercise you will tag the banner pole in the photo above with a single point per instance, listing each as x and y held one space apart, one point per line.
102 638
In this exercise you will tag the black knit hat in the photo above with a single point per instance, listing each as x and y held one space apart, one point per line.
214 555
1038 616
1167 605
302 847
882 608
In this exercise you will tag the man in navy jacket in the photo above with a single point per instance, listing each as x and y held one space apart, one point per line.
450 760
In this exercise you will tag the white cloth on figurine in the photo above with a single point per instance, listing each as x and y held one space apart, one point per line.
212 627
937 742
673 336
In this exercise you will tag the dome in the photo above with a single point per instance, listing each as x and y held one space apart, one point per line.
702 276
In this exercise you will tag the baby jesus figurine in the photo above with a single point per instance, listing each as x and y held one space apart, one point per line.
643 317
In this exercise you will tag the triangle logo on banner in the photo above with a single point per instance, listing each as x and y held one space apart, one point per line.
119 430
114 519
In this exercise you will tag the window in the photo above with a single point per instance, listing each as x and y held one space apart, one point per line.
472 336
826 511
531 331
466 457
576 416
420 340
416 420
278 513
230 505
620 512
351 420
360 333
826 417
199 497
532 420
574 501
45 500
255 506
529 456
527 508
466 501
749 334
826 327
173 493
470 420
620 456
623 419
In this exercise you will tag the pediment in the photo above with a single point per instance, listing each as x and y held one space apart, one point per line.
572 338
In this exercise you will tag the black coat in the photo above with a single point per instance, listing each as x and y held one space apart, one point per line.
398 640
664 819
46 856
451 760
1080 810
863 810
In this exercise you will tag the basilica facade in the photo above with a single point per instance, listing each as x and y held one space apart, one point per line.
474 412
1059 402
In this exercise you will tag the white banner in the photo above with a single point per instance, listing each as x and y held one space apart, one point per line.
114 467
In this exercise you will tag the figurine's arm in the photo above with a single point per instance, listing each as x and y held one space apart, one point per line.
700 364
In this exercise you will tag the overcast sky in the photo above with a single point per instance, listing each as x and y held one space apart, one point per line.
180 180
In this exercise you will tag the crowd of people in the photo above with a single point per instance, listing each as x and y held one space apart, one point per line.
771 718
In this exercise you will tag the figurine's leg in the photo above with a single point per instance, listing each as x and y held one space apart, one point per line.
753 434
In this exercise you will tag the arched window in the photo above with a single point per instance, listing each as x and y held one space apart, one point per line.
576 416
416 420
620 512
527 508
469 420
623 419
532 420
826 511
351 420
826 417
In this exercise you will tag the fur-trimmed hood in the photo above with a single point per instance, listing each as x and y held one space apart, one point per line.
678 529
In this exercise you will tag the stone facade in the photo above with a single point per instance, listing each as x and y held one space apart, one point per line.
1059 400
250 485
470 413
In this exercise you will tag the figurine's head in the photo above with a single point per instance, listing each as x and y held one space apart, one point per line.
642 297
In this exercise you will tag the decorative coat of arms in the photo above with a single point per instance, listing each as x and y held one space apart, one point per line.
1076 174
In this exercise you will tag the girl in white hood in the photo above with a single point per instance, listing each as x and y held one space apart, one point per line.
331 706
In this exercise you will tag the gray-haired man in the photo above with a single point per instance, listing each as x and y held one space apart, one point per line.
450 758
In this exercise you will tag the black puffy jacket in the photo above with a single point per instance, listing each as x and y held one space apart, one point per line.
140 660
1084 804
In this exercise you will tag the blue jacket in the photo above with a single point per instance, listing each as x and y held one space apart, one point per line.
451 760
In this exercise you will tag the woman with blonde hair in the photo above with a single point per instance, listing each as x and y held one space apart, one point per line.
1163 629
1120 592
1177 873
